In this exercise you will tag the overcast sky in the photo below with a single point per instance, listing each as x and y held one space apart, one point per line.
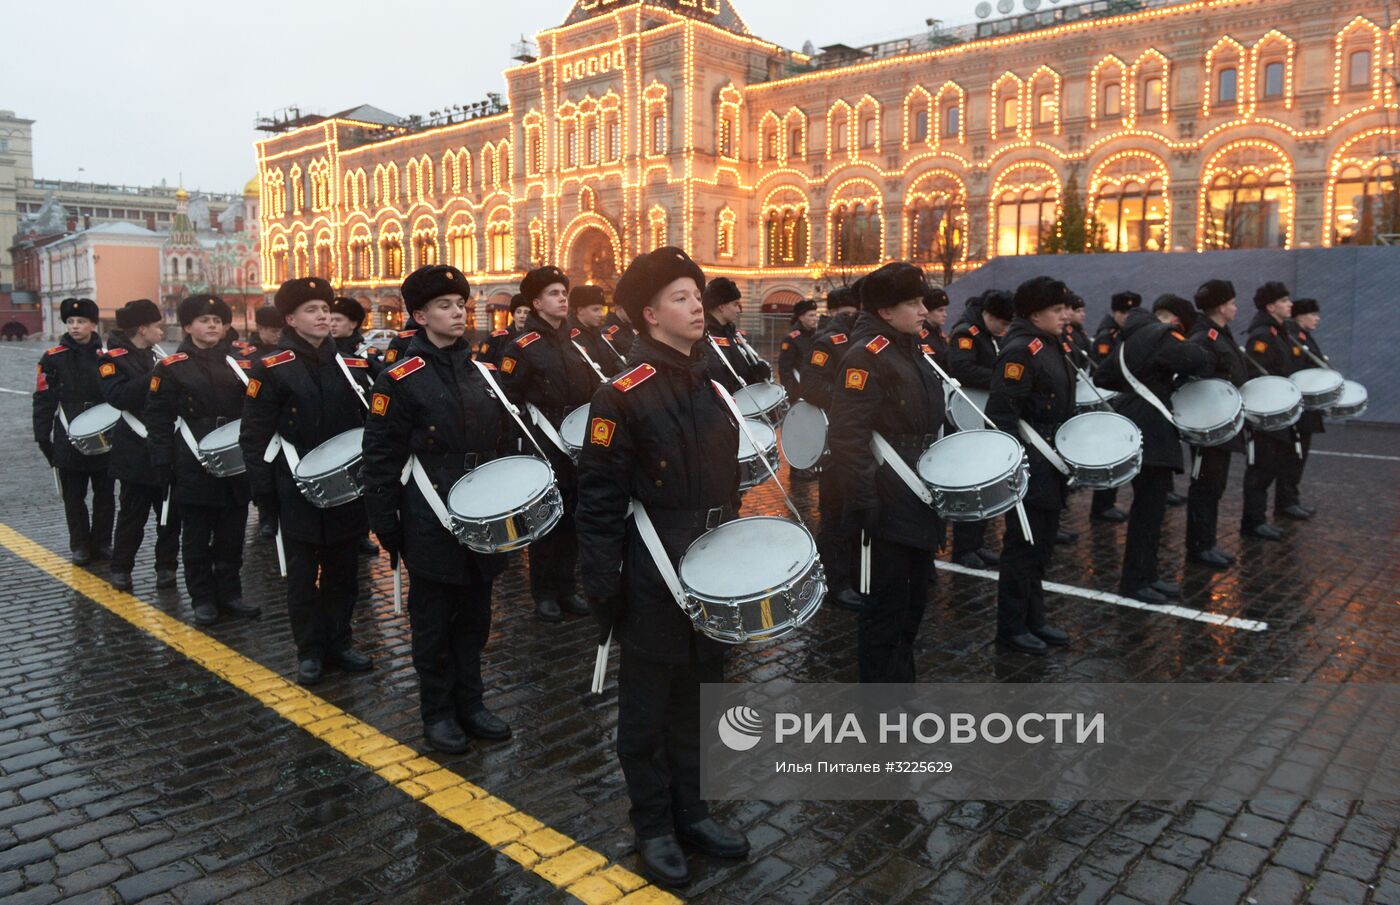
138 91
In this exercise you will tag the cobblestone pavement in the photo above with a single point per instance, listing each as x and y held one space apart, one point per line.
131 772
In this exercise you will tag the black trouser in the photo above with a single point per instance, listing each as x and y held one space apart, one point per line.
838 544
1203 499
1271 459
889 622
1150 489
1103 501
1020 599
139 502
554 556
450 624
968 537
1290 476
658 740
95 534
211 543
267 516
320 611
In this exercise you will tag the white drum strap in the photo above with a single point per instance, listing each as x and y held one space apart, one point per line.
957 388
1089 381
1320 362
652 541
513 411
63 419
135 424
745 349
159 352
1147 395
188 436
620 359
350 378
591 363
420 478
724 358
278 445
1263 371
543 424
768 466
236 369
886 454
1034 438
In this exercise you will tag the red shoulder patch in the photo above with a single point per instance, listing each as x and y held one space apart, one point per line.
974 330
574 333
877 345
116 353
839 339
1273 331
56 349
1103 348
923 334
634 378
499 333
794 334
1068 350
408 367
928 350
1180 337
356 363
280 358
1213 335
244 363
722 341
612 331
172 359
525 340
1302 335
407 334
1035 346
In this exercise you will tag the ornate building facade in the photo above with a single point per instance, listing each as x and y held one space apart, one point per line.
1186 126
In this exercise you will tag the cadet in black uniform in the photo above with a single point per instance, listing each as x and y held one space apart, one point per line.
661 435
796 347
1079 343
125 371
1158 356
67 386
732 362
1103 507
436 407
618 330
838 543
346 318
494 345
936 303
973 349
200 385
300 396
1302 329
269 332
1033 382
542 368
587 309
885 386
1216 301
397 346
1270 347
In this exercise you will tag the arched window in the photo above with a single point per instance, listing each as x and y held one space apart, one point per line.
656 223
324 259
425 246
360 266
1026 200
1106 90
534 146
488 168
936 220
918 117
786 229
1359 56
770 139
611 106
724 232
391 251
868 124
538 252
1366 203
795 123
461 243
1044 89
1006 102
656 98
857 232
1222 74
1129 201
500 238
301 265
275 194
279 260
838 128
298 189
1248 198
727 141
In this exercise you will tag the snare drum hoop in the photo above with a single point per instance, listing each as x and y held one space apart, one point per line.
970 488
1019 488
218 449
299 475
1137 451
510 513
697 602
1272 380
582 431
743 395
826 425
115 415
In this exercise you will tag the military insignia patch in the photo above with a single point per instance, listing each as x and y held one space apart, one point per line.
1213 335
1035 346
41 384
1103 348
1014 371
722 341
254 386
839 339
877 345
1180 337
356 363
116 353
155 384
856 379
525 340
408 367
379 405
974 330
634 378
391 356
507 365
964 342
819 358
280 358
107 369
1260 346
928 350
171 359
785 346
574 333
600 432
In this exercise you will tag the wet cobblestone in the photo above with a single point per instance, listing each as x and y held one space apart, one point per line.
130 773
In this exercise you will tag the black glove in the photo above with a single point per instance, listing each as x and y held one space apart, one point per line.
761 371
391 540
607 611
46 448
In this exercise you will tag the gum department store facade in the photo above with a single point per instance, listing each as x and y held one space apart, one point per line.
1189 126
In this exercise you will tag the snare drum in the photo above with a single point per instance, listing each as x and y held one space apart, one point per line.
1353 402
1089 398
219 452
1321 388
573 430
964 416
91 432
1272 403
1208 412
754 579
975 475
1102 449
329 475
803 440
506 504
765 401
751 470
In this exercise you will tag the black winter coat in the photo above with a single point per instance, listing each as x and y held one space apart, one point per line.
1161 359
1227 361
1311 422
793 353
602 354
300 394
621 336
1034 382
741 358
972 350
1105 339
824 361
67 378
200 387
1270 347
660 434
885 386
435 405
126 375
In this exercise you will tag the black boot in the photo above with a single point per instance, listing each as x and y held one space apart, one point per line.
663 861
715 839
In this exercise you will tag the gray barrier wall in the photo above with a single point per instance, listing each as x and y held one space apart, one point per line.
1357 287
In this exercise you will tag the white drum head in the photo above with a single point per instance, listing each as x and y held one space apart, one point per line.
758 398
222 437
1317 381
575 427
965 416
1097 439
762 433
334 454
499 487
1271 395
1205 404
803 439
94 421
744 558
1085 393
970 459
1353 394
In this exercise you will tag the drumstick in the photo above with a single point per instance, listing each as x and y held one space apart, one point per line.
281 552
864 563
1025 523
1196 464
165 507
600 665
398 587
57 487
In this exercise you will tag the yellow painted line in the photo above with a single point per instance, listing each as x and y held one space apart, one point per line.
574 868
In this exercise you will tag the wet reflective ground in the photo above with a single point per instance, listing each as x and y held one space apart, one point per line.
130 773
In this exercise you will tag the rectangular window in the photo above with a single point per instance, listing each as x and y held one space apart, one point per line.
1229 87
795 143
592 145
1044 108
868 130
840 130
1152 95
570 149
921 126
951 121
1359 69
770 146
658 133
1010 111
1113 99
1273 80
614 140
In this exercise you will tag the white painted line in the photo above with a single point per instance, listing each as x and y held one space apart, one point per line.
1181 612
15 392
1342 455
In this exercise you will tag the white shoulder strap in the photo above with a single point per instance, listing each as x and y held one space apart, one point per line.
887 455
589 358
724 358
768 466
1137 385
350 378
236 369
652 541
515 412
